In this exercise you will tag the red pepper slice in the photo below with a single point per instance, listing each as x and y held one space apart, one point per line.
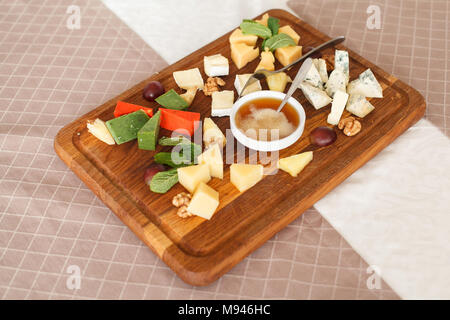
126 108
179 121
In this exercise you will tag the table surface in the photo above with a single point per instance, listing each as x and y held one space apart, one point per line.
49 220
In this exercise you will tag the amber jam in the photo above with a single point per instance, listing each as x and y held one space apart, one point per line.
257 118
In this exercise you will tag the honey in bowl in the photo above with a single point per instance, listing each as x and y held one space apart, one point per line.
258 119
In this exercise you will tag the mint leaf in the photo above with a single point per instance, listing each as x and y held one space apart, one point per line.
274 25
279 41
253 27
173 141
172 159
163 181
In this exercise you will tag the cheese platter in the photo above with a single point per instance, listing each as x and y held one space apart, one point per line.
203 212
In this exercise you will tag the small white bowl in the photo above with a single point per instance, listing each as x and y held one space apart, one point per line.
267 145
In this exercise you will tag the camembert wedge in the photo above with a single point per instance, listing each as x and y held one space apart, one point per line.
222 103
296 163
187 79
216 65
245 176
204 202
317 97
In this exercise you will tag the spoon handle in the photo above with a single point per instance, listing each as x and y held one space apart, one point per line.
301 75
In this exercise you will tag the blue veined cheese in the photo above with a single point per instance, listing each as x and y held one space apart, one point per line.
317 97
366 85
321 66
341 61
359 106
313 77
337 107
337 81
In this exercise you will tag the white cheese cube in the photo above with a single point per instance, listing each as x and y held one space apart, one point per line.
187 79
337 81
222 103
359 106
341 61
313 77
366 85
321 66
317 97
204 202
337 107
216 65
241 80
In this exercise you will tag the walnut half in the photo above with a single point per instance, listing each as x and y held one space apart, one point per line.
212 84
181 201
350 125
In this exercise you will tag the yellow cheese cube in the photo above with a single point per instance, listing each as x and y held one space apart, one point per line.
290 32
278 81
267 61
212 134
241 54
190 177
264 19
238 37
212 157
287 55
245 176
204 202
294 164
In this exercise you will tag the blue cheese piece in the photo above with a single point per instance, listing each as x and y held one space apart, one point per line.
366 85
321 66
216 65
337 107
337 81
313 77
241 80
222 103
359 106
341 61
317 97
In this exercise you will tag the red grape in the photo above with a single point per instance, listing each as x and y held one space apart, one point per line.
153 90
323 136
153 169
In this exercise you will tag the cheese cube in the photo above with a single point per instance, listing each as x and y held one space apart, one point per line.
341 61
366 85
278 81
187 79
213 158
337 107
359 106
267 61
189 95
204 202
296 163
264 19
216 65
337 81
245 176
238 37
321 66
313 77
317 97
190 177
241 54
287 55
99 130
212 134
222 103
290 32
241 80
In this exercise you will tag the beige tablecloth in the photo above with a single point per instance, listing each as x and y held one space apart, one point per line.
50 221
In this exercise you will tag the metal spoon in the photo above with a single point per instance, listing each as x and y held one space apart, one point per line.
262 73
301 75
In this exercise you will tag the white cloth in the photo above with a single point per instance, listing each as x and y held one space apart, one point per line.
394 211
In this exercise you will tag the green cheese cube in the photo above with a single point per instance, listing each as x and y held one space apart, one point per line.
126 127
148 135
172 100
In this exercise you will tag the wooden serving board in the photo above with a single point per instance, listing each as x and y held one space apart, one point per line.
200 251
